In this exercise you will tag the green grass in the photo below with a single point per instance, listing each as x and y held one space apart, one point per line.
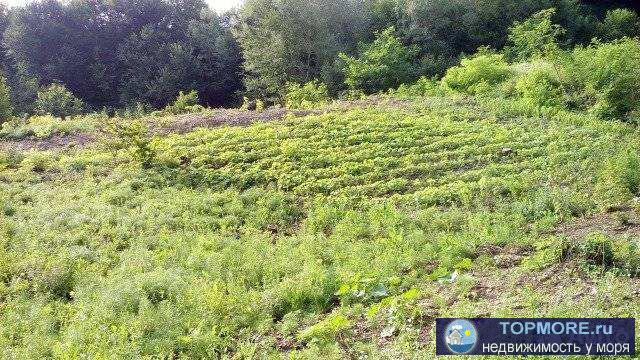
326 236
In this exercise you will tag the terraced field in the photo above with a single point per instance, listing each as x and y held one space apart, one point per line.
343 233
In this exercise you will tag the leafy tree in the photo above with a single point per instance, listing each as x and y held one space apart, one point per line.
116 53
5 100
535 37
619 23
56 100
297 41
384 64
540 85
24 88
443 30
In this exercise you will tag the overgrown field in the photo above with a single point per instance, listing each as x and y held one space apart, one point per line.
331 235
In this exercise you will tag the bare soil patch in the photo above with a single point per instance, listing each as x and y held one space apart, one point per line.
620 223
189 122
232 117
57 141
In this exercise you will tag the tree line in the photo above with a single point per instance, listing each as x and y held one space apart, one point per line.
111 54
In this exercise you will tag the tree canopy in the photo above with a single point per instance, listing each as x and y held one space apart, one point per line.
118 53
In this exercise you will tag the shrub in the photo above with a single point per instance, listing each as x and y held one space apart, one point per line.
134 110
57 280
423 87
476 73
56 100
352 95
38 161
598 250
185 103
5 100
540 86
133 135
609 76
534 37
384 64
619 179
627 256
326 330
10 159
619 23
307 96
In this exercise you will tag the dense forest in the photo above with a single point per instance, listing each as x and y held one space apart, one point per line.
106 55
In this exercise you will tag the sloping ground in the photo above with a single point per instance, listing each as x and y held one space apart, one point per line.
179 124
337 234
625 222
71 138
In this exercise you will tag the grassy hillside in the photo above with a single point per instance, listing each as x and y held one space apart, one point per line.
340 233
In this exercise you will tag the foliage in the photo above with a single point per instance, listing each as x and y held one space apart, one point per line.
333 235
534 37
142 51
384 64
478 72
6 108
540 85
24 88
45 126
619 179
609 76
297 41
147 51
619 23
352 95
598 249
307 96
326 330
423 87
205 59
56 100
131 135
300 235
184 103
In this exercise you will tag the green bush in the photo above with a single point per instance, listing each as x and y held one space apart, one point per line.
540 85
134 136
5 100
45 126
384 64
185 103
423 87
307 96
619 179
609 76
326 330
598 250
619 23
534 37
477 73
56 100
352 95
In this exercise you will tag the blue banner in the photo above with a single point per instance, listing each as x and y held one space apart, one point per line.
543 336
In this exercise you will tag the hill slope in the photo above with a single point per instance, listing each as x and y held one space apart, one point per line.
344 232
